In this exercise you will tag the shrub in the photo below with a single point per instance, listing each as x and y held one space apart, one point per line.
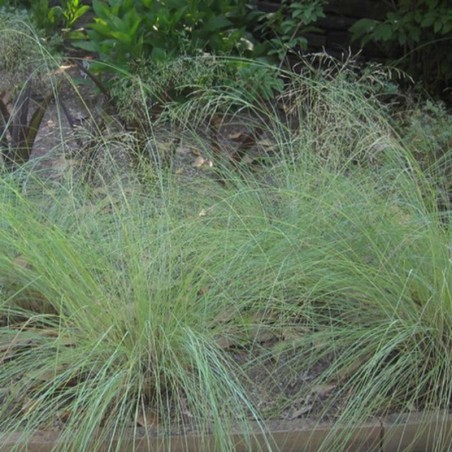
127 31
50 17
423 31
284 30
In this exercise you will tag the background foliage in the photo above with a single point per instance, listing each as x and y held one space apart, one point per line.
125 30
415 35
421 30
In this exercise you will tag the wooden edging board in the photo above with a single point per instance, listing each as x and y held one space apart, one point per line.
416 432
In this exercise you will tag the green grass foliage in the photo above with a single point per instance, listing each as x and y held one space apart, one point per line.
123 307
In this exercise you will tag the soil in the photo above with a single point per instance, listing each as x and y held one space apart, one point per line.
71 125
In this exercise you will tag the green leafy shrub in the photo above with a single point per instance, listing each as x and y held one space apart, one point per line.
125 31
49 17
284 30
70 11
422 30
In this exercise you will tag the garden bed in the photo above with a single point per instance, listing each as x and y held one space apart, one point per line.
283 261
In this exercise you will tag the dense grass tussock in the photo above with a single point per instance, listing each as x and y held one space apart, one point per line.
121 311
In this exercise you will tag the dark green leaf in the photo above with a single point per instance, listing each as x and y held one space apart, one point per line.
86 45
216 23
101 9
428 20
447 28
383 32
363 27
122 37
437 27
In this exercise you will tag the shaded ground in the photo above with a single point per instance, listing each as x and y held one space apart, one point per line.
76 123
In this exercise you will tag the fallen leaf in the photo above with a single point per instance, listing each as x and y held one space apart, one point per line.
235 135
322 390
248 159
199 161
183 150
303 410
265 143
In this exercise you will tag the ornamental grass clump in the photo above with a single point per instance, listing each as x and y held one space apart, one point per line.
375 276
355 246
104 325
129 308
